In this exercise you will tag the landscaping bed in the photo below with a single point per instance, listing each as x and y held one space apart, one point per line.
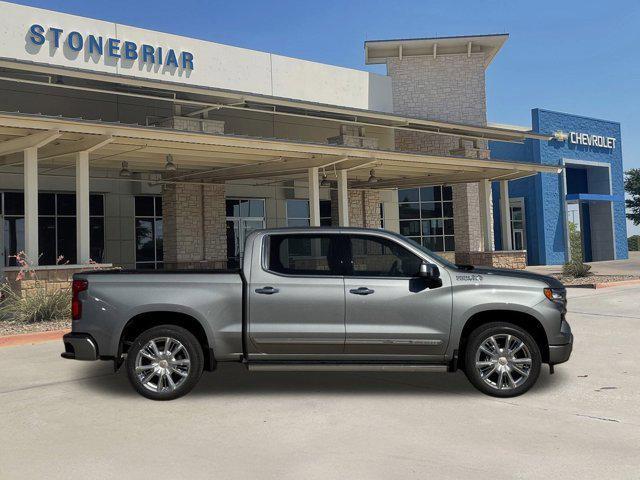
17 328
593 280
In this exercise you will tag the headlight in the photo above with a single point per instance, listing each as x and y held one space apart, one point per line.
557 295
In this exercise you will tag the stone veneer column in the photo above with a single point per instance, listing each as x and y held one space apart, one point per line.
364 208
448 88
215 223
194 224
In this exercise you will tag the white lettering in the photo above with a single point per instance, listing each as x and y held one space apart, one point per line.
591 140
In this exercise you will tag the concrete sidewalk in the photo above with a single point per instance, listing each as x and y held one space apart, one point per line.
611 267
62 418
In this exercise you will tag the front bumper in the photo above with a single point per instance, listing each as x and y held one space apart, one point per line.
79 346
561 353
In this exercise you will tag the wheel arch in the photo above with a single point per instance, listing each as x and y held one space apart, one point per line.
144 321
527 322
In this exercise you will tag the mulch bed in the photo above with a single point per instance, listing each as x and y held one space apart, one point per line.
592 280
16 328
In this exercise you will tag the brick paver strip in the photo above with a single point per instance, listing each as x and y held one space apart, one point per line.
31 338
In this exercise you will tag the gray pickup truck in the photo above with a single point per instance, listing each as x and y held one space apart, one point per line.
342 299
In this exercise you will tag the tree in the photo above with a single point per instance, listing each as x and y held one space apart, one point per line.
632 187
634 243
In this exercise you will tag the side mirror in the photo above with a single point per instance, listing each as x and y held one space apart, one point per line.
428 270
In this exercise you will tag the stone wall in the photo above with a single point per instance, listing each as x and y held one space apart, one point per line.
449 88
511 259
364 208
194 221
50 278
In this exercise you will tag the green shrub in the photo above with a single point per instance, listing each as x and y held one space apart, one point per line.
37 305
634 243
576 269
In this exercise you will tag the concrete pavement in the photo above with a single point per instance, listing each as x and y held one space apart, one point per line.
62 418
631 266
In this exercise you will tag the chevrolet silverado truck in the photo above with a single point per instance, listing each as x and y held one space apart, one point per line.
308 299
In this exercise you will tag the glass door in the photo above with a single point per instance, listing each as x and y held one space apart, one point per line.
243 217
518 232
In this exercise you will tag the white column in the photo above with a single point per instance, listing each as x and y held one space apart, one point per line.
343 199
31 205
505 215
486 215
314 198
82 207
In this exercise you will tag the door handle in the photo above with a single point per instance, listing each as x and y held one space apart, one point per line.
361 291
267 290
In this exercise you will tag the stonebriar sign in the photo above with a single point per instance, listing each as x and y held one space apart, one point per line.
115 48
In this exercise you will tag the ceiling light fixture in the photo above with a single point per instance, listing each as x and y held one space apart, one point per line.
170 166
124 171
324 182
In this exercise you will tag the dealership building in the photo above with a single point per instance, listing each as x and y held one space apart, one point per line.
141 149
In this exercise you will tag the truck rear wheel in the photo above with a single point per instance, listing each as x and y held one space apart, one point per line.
502 359
165 362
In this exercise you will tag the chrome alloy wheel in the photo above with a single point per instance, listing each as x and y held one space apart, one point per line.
503 361
162 365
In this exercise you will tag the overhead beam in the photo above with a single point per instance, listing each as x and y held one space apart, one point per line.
87 144
35 140
274 167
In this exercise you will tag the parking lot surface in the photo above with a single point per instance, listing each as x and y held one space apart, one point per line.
62 418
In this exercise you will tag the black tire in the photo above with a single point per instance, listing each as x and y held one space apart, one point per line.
489 382
182 376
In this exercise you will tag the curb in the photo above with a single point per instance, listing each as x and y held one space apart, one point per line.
31 338
606 284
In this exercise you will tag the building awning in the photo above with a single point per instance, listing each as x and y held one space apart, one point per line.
219 158
197 100
378 51
593 197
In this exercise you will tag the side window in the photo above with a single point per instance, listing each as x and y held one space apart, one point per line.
301 254
379 257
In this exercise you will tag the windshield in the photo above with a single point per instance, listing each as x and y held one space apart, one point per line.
435 256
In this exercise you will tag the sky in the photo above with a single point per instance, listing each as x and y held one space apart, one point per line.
578 57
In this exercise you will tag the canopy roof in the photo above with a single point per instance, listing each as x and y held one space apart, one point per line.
218 158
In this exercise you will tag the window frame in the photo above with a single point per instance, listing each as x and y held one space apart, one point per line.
418 217
157 264
55 216
266 253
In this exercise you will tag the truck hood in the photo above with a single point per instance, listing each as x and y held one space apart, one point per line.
550 281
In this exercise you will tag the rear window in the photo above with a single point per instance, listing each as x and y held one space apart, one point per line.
304 254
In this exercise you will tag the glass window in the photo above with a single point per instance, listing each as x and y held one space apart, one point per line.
46 204
298 214
408 195
66 204
149 232
145 206
56 227
96 205
426 213
47 240
13 203
304 254
379 257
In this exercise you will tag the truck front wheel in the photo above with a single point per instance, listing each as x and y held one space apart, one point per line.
164 362
502 359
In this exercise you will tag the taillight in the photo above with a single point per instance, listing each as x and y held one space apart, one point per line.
76 305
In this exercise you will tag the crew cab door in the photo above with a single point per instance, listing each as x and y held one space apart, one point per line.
391 311
296 297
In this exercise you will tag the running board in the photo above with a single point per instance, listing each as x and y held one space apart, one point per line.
344 367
